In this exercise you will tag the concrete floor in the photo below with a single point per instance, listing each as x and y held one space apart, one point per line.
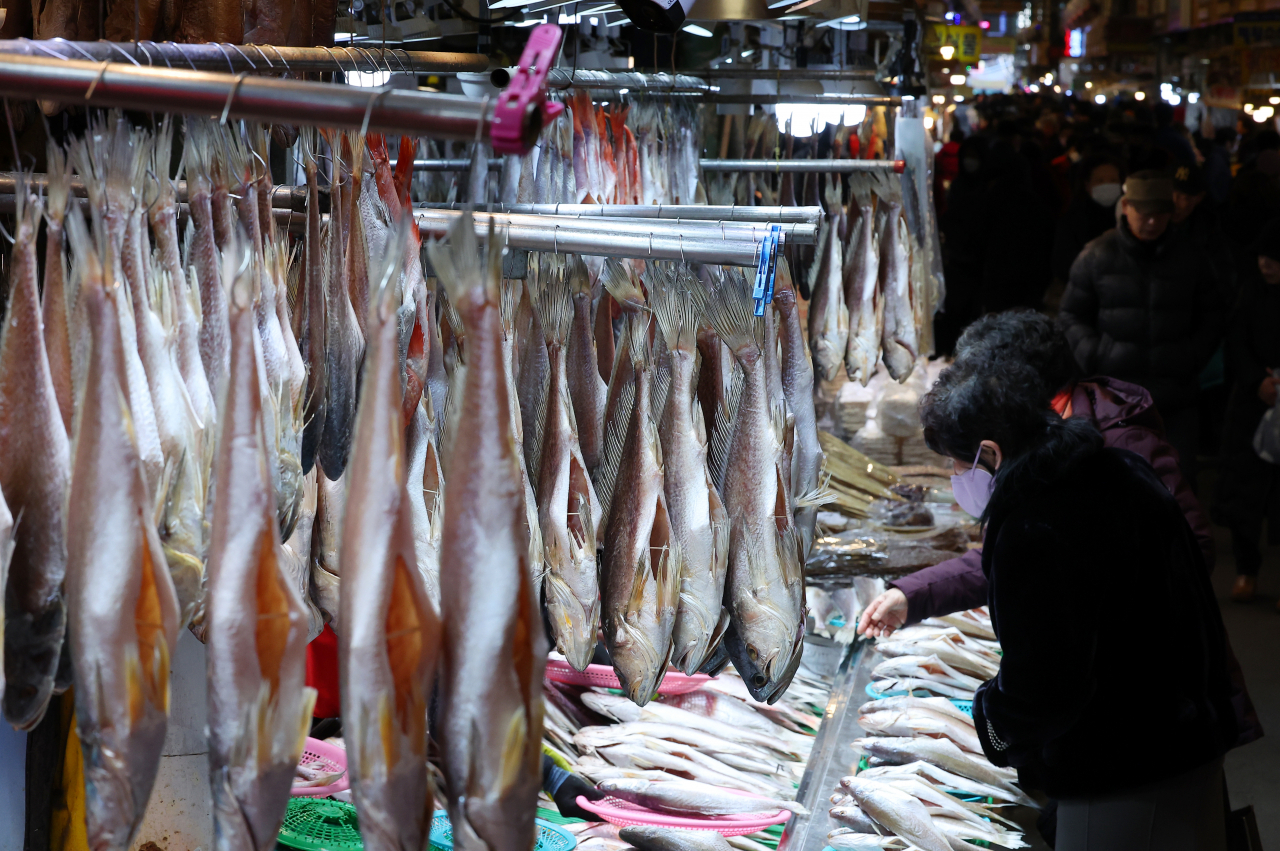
1253 772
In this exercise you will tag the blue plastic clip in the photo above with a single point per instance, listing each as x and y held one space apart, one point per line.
763 291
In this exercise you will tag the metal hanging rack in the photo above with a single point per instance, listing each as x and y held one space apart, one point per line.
800 233
542 233
813 100
282 197
249 58
629 81
511 121
824 166
788 75
679 212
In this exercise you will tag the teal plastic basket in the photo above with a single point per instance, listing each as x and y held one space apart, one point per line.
550 837
965 706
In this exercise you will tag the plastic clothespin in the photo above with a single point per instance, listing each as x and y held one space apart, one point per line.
527 90
776 236
761 291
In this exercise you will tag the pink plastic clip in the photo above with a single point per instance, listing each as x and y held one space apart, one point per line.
526 89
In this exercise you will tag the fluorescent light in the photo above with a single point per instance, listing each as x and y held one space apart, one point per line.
939 99
1099 99
959 98
593 21
531 23
1273 100
623 91
957 79
694 29
368 79
1193 97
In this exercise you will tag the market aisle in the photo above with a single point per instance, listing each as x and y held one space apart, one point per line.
1253 772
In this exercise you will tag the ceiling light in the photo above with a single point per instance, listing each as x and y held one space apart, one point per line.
947 51
939 99
1099 99
957 79
1139 95
1088 85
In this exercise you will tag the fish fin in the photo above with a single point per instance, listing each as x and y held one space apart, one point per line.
579 277
457 261
615 441
553 302
638 344
666 555
675 311
730 310
620 283
509 304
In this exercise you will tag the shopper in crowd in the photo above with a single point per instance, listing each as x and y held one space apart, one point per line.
1248 486
1172 139
962 242
946 165
1123 413
1065 516
1146 307
1215 147
1015 228
1092 213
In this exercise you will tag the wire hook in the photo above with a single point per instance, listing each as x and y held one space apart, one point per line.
97 79
231 95
368 110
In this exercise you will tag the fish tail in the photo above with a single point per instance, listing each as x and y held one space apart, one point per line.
620 283
58 188
730 310
675 311
553 301
638 344
579 277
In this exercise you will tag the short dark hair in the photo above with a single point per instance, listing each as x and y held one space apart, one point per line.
1024 337
981 400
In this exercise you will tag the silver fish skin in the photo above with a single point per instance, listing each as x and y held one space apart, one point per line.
698 518
864 842
312 307
425 487
640 571
512 302
390 640
797 389
853 817
57 297
939 705
494 648
256 626
898 812
648 838
862 290
35 469
689 797
586 387
326 542
121 607
940 752
296 563
343 350
621 286
568 510
899 342
828 314
215 328
765 589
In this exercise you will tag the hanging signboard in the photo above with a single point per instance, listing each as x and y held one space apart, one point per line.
965 40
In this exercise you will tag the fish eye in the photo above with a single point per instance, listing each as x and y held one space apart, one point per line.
759 680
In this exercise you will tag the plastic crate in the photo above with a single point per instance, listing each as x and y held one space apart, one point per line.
603 676
550 837
334 759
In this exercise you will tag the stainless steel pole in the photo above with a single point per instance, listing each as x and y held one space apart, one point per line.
407 112
799 233
254 58
715 213
828 166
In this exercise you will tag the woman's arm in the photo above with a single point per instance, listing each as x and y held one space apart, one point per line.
1045 614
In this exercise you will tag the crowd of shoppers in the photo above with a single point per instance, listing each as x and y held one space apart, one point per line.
1157 252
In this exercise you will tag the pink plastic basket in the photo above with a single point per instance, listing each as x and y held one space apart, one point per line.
334 759
625 814
604 677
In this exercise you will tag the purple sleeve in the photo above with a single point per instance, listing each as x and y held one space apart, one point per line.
1163 458
952 586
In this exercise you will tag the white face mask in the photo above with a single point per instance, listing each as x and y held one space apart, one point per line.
1106 194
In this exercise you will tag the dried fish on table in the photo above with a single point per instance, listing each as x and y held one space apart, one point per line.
688 797
648 838
35 467
493 648
898 812
256 625
122 611
391 632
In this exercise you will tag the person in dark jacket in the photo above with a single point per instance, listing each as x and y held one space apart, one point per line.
1145 307
1092 212
1247 484
1122 412
1067 517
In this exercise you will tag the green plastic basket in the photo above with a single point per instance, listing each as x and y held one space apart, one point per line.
550 837
320 824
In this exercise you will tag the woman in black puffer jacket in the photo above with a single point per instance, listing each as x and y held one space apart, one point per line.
1113 693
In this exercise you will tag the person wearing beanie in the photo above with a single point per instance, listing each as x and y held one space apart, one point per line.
1248 486
1146 307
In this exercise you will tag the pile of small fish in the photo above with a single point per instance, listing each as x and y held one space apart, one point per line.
949 656
688 755
928 786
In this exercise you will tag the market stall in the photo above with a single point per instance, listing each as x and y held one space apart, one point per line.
375 458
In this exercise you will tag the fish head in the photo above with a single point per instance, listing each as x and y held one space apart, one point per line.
766 653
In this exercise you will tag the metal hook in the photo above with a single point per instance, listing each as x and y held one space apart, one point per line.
484 111
368 110
118 49
230 65
235 86
555 240
183 53
242 54
682 258
280 56
75 47
97 79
